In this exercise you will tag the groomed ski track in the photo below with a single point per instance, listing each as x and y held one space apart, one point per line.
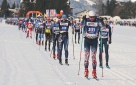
22 63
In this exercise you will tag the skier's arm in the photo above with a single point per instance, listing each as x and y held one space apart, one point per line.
83 25
110 35
51 30
73 29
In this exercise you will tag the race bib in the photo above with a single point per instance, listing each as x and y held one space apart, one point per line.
104 34
41 26
56 28
47 31
64 28
91 30
91 24
77 27
64 24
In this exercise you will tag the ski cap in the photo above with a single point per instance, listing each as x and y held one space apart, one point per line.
64 16
39 16
92 13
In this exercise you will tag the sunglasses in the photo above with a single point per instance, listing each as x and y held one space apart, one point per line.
91 17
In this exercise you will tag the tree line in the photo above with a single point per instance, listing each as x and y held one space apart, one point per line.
4 8
42 5
128 11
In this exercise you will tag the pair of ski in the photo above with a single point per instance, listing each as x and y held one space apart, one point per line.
93 78
106 67
65 64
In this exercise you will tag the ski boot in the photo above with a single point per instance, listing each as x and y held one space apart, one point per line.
86 72
66 62
42 43
57 56
75 42
45 49
49 49
100 65
107 66
94 74
60 61
39 43
54 55
36 42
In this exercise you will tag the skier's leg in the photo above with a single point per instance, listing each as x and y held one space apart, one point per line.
27 32
87 55
75 36
39 36
42 38
106 45
78 37
66 40
46 41
100 54
60 40
54 45
30 30
49 41
93 54
57 47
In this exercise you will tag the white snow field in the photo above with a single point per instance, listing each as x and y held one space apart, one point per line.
22 63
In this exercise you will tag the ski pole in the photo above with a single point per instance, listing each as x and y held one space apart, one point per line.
101 48
33 35
73 46
81 49
51 50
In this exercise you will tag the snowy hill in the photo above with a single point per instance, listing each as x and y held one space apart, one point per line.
80 5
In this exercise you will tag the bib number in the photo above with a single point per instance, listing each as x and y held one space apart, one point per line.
91 30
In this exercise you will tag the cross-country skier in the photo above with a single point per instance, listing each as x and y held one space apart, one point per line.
48 33
40 29
36 27
56 33
106 40
63 38
90 41
77 27
29 29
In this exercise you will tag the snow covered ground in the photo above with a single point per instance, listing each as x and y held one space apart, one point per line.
22 63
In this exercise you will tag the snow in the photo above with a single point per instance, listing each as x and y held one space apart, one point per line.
22 63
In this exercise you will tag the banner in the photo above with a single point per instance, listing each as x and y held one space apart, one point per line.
47 12
51 12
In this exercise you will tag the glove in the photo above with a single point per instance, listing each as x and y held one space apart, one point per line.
72 32
109 42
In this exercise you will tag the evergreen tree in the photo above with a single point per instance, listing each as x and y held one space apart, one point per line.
4 8
13 6
128 11
25 7
108 7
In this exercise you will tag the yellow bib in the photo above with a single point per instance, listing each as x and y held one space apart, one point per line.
47 31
